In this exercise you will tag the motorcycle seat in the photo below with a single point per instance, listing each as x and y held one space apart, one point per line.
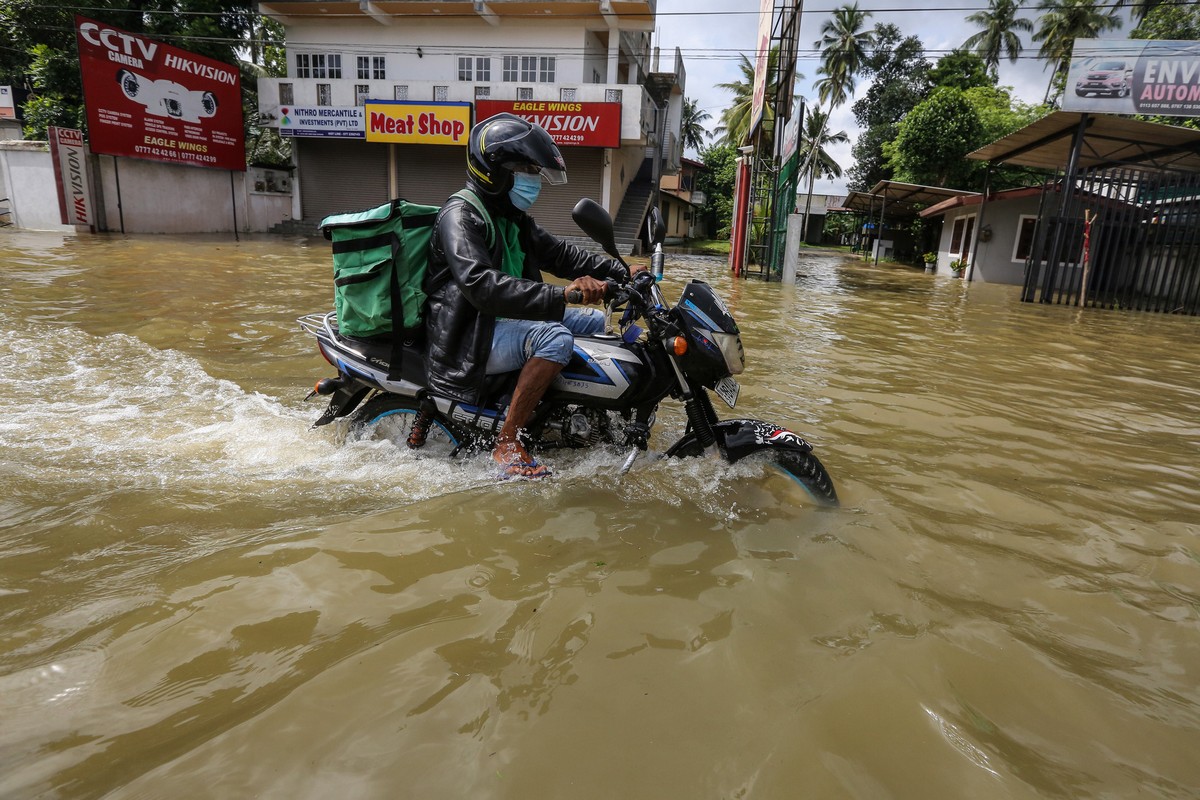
378 350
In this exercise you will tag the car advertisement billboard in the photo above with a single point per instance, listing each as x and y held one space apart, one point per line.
146 99
1134 76
569 124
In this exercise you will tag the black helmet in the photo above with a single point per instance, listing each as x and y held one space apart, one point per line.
504 143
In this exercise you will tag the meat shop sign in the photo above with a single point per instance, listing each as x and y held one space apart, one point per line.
569 124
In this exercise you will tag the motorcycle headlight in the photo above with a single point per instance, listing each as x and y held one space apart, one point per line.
730 345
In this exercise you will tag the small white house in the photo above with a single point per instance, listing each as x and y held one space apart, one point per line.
993 238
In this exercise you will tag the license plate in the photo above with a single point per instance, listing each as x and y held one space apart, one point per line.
727 389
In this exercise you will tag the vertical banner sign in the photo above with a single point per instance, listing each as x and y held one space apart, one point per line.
70 176
765 11
146 99
568 123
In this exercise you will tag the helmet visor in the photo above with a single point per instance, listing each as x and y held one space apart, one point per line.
552 175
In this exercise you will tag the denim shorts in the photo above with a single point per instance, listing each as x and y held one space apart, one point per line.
515 341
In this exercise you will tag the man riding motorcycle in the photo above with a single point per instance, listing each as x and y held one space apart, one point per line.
489 311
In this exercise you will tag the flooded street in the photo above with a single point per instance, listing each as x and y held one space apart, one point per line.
202 597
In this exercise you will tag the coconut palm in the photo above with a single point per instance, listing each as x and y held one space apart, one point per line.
691 125
735 119
1063 23
998 33
1138 9
844 47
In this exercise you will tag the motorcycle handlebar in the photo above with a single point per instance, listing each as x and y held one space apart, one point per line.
612 288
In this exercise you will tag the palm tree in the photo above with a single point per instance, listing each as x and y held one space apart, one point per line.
815 160
691 125
998 33
1061 25
1138 9
844 44
735 119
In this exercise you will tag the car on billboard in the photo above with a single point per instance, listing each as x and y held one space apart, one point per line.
1111 77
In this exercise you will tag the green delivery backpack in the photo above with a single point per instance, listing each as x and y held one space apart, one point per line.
380 257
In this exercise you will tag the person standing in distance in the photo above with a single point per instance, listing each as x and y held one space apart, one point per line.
489 310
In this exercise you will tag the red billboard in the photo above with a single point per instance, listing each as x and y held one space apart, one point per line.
569 124
146 99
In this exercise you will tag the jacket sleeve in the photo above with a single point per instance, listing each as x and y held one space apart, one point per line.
462 235
568 261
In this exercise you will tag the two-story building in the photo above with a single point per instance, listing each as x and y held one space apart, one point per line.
379 97
681 203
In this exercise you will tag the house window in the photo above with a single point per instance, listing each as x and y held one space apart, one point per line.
566 95
511 69
524 92
371 68
324 95
400 92
441 94
483 92
361 92
1072 247
318 65
529 68
1024 244
474 68
287 96
546 69
612 95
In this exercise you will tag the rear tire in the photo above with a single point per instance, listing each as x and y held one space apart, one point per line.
388 416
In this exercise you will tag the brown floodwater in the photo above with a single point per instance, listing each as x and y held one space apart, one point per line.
202 597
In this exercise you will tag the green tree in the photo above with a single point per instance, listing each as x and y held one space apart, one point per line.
717 184
998 33
901 80
1063 23
1170 21
815 160
844 44
1140 9
735 119
962 70
934 140
691 125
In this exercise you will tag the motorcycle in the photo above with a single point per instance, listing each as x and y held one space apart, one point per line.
608 394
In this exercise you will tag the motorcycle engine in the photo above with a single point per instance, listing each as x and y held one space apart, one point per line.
580 427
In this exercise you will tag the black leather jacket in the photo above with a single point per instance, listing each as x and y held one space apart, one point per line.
468 290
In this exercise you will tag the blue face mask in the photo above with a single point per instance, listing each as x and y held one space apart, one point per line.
525 190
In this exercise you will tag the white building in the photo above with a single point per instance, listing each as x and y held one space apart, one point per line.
376 92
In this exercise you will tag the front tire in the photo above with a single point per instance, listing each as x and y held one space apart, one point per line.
808 471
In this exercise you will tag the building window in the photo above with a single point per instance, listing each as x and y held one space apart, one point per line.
529 68
566 95
525 93
474 68
511 69
1072 246
441 94
287 96
612 95
318 65
956 235
400 92
1024 243
371 68
324 95
483 92
546 69
362 91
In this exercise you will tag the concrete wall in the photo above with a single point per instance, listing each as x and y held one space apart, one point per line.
154 197
27 180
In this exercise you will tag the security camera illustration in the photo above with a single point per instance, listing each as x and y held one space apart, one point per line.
165 98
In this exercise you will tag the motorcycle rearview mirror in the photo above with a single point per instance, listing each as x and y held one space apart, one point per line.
593 220
656 228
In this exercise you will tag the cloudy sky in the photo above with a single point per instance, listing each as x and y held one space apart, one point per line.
711 34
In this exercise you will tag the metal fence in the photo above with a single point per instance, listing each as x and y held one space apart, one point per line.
1121 238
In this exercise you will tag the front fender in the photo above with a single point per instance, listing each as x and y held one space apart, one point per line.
738 438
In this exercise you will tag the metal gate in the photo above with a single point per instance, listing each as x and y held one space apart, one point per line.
1123 238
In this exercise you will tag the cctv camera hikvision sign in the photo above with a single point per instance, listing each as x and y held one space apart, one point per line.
146 99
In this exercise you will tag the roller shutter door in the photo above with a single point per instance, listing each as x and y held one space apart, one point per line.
339 176
431 173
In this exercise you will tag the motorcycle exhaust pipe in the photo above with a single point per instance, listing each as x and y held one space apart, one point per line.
326 386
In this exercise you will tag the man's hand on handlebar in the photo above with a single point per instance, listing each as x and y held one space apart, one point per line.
586 290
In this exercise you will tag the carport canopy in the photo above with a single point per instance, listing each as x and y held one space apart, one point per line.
1108 141
898 200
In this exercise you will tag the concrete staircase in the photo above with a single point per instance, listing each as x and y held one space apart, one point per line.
627 226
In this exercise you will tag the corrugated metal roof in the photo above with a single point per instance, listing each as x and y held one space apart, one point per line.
1108 141
898 199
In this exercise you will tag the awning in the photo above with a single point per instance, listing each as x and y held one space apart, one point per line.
898 199
1108 142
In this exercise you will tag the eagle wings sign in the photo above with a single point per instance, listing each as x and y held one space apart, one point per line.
146 99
